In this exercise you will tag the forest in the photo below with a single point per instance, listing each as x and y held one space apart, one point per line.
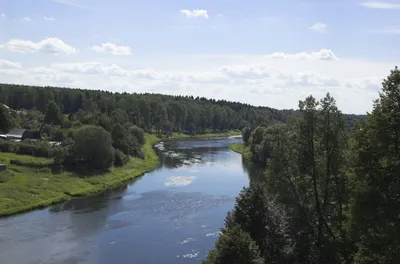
329 194
79 118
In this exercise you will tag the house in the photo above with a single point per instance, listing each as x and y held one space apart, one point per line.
15 134
3 167
19 134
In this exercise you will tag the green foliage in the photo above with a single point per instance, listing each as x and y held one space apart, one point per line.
257 214
93 146
246 133
120 158
37 149
234 246
53 114
375 190
5 119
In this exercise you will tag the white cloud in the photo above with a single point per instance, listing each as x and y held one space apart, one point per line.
92 68
195 13
323 54
5 64
49 45
254 79
3 15
27 19
112 48
319 27
71 3
49 18
380 5
390 31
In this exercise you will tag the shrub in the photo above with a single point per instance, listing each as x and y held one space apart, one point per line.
120 158
8 146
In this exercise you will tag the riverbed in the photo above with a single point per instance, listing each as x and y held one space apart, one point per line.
171 215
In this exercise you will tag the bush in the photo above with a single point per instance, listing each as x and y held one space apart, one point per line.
8 146
58 135
120 158
25 149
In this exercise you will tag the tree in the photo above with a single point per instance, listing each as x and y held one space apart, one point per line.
234 246
119 137
53 115
375 207
5 119
93 146
257 214
246 132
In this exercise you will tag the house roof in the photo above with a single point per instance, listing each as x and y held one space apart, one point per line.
16 132
6 106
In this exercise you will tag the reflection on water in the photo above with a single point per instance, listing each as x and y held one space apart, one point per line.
171 215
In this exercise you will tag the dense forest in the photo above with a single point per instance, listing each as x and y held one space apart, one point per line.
148 111
78 119
329 195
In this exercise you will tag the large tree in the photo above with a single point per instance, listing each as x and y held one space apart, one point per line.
376 186
53 114
93 146
234 247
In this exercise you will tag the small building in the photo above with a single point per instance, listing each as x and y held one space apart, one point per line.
19 134
3 167
15 134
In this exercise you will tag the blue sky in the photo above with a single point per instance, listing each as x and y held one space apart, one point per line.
212 48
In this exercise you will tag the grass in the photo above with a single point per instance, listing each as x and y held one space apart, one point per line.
242 149
23 188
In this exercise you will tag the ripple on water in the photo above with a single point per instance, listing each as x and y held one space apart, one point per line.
187 240
175 181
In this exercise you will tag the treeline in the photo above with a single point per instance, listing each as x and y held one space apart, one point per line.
163 113
329 195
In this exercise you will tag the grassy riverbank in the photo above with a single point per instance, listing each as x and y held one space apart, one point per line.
242 149
25 188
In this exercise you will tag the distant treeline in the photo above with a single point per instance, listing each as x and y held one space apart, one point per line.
164 113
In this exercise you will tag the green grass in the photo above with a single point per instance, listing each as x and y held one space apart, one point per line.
242 149
23 189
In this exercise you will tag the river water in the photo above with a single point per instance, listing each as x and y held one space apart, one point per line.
171 215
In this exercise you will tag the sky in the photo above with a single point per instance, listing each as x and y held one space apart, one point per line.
261 52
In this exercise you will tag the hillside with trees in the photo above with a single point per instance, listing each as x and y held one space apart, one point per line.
328 196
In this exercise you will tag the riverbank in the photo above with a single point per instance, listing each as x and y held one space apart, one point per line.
23 189
241 149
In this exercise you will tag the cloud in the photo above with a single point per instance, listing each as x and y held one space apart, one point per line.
49 18
323 54
195 13
5 64
27 19
71 3
49 45
3 15
389 31
380 5
252 72
112 48
319 27
95 68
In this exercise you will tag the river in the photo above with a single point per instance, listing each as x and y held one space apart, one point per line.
171 215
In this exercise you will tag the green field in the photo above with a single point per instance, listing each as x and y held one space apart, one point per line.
25 188
242 149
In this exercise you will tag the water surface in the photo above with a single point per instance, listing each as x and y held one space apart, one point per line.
171 215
